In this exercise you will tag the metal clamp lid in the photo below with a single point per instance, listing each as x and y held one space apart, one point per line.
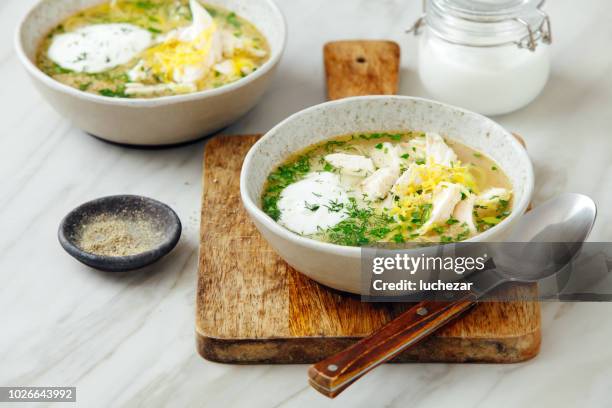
541 32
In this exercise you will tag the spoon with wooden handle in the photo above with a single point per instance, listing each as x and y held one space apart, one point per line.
566 219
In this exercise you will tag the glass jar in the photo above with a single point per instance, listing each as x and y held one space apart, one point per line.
489 56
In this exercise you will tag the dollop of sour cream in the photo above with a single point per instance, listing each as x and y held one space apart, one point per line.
314 203
99 47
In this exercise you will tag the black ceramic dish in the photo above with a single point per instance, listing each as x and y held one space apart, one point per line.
162 217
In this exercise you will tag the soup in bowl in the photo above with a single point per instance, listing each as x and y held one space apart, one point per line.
152 48
152 72
380 187
368 170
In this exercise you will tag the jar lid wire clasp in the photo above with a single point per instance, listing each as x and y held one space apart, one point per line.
416 27
542 33
420 22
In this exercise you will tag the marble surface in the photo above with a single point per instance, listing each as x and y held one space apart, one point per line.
128 339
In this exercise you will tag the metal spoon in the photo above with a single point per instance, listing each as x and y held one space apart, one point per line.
567 219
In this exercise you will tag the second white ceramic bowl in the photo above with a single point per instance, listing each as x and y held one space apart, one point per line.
158 121
340 267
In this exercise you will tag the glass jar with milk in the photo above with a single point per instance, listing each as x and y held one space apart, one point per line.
489 56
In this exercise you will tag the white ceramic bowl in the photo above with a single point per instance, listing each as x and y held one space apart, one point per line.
340 267
158 121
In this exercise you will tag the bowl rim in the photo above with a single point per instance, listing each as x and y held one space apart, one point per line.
352 251
35 72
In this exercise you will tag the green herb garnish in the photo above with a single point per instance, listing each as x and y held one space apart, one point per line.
311 207
334 206
119 92
452 221
60 70
145 4
279 179
232 19
333 143
363 226
438 230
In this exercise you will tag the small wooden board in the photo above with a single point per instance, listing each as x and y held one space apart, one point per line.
355 68
254 308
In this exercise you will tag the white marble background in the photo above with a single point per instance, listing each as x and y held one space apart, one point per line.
128 339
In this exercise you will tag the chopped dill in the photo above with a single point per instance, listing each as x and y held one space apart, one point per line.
334 206
311 207
363 226
279 179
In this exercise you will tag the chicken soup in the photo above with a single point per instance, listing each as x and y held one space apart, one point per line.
401 187
152 48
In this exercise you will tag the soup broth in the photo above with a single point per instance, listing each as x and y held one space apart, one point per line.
152 48
362 189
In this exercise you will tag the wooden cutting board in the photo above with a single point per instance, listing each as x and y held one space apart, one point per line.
252 307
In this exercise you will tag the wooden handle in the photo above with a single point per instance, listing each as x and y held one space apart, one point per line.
332 376
520 139
367 68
